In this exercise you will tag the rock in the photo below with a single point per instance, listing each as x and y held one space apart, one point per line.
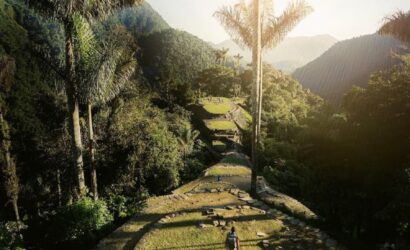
222 223
246 199
230 207
189 194
213 190
215 222
251 201
243 195
246 207
234 191
265 243
261 234
331 243
203 225
272 211
220 190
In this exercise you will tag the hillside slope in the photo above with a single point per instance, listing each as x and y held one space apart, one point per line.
142 19
293 52
348 63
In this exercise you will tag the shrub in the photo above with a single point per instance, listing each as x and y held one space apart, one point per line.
9 236
122 206
80 221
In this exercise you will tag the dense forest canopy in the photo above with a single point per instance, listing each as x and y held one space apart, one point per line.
136 80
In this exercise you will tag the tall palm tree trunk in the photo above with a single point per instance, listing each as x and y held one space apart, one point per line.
73 108
256 62
92 152
260 97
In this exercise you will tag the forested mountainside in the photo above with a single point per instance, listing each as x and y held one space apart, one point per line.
165 58
290 54
141 20
349 63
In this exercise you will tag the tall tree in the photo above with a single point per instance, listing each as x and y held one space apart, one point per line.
220 55
255 27
397 25
105 70
65 12
8 165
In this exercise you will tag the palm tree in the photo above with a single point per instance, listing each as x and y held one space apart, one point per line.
67 12
104 70
397 25
187 140
255 27
220 55
238 57
8 165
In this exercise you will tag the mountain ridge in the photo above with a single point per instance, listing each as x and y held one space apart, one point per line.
290 54
349 63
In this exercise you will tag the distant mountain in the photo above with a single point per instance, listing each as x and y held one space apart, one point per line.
290 54
348 63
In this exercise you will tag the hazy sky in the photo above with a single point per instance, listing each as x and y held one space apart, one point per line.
340 18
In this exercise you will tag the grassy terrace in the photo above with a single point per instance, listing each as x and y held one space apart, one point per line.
217 105
183 232
222 170
219 145
220 125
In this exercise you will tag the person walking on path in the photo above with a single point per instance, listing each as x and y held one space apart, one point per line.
233 240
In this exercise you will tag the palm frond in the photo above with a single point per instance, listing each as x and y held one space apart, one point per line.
85 40
397 25
276 29
236 23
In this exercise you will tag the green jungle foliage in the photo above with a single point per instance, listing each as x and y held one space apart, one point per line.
349 165
352 165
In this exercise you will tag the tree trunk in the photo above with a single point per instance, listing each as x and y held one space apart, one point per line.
92 152
59 192
9 167
256 61
73 108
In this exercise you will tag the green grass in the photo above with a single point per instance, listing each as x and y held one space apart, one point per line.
235 160
217 105
183 232
239 100
220 170
219 145
220 125
247 115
